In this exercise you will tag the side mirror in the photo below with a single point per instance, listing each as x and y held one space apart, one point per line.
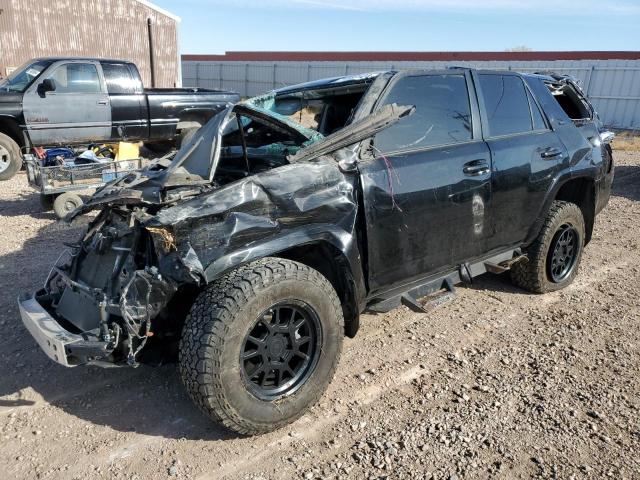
47 85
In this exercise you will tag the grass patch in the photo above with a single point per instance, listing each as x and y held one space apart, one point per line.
627 142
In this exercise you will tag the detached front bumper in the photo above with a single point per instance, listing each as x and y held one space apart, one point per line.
60 345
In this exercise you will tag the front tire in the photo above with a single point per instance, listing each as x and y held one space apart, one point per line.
554 257
261 344
10 158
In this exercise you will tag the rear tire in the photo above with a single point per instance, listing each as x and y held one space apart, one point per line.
219 351
66 203
554 257
10 158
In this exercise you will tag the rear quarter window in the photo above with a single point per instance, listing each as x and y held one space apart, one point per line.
442 116
118 78
506 104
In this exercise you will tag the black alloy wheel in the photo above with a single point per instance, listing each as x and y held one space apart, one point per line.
281 350
563 253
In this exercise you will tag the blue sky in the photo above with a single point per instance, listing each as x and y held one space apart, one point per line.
216 26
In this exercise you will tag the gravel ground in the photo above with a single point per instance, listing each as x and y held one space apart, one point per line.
497 383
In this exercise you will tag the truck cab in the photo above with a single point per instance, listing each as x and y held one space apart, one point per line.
76 101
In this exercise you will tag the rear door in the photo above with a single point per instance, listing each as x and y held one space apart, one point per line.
525 155
78 111
427 184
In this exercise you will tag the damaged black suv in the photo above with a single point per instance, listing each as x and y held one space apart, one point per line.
253 251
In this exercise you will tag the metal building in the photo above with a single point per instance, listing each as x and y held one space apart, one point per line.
611 79
133 30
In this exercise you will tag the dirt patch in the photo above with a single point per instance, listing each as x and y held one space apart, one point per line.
497 383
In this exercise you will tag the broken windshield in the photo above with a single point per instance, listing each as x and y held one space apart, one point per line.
244 139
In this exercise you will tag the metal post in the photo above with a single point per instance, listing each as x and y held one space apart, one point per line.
275 65
246 79
588 82
198 75
151 56
308 72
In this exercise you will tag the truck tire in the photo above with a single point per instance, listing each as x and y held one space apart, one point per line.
10 158
65 203
554 257
261 344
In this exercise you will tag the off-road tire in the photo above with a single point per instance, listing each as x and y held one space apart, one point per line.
12 159
215 329
533 275
65 203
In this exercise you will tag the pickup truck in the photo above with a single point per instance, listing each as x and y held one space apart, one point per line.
76 101
253 251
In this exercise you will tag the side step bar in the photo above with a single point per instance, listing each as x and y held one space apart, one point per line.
445 293
441 288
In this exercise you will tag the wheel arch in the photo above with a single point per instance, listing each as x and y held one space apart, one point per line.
9 126
581 190
336 261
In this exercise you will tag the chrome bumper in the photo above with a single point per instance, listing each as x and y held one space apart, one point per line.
47 332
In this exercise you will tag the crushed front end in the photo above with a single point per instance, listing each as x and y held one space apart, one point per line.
102 297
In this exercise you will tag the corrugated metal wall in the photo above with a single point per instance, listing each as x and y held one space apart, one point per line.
613 85
105 28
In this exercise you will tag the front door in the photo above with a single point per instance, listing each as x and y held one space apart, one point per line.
427 189
77 111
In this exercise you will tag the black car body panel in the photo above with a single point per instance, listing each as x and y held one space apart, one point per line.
376 210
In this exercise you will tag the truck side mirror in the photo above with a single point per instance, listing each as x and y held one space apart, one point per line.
47 85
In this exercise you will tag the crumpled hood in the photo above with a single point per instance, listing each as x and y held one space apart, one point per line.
192 170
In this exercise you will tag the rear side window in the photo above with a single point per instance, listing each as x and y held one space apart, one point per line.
506 103
118 78
442 116
536 114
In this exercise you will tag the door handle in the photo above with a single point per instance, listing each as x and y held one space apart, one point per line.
103 102
476 168
551 152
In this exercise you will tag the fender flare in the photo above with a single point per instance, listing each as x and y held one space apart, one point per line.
339 239
590 173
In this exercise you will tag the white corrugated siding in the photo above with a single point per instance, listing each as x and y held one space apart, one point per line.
612 85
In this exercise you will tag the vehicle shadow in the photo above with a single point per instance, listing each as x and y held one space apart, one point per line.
495 283
25 204
627 182
147 400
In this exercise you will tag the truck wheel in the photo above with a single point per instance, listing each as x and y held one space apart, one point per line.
10 158
261 344
46 202
65 203
555 255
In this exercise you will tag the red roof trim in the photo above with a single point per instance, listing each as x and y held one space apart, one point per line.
410 56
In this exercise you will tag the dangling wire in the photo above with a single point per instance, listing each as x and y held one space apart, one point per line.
390 173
